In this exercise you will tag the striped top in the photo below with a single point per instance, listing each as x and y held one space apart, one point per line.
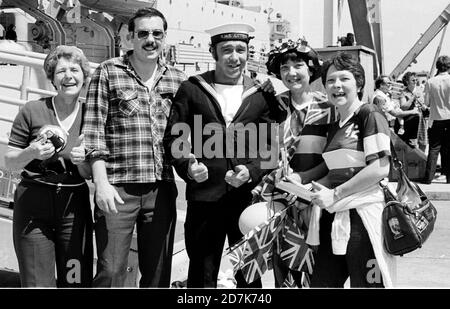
308 132
352 145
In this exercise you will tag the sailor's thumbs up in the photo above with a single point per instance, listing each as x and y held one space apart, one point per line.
197 171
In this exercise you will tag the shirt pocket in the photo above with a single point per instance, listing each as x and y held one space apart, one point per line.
129 103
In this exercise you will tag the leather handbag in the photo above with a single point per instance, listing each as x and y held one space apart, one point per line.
409 217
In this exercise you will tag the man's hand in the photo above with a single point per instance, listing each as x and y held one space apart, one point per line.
78 152
197 171
105 197
266 86
238 177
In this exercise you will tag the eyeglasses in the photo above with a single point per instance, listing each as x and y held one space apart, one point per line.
143 34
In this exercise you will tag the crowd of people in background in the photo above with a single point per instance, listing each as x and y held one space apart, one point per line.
419 114
129 135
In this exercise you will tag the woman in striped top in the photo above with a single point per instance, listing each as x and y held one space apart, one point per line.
357 156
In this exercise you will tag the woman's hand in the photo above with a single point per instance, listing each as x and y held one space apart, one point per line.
42 150
322 196
78 152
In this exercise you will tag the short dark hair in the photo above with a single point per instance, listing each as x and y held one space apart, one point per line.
406 77
443 63
345 61
146 12
311 59
380 80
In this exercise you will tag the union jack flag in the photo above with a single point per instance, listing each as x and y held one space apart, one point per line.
253 254
295 253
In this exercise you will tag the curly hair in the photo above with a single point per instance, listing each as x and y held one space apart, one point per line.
294 51
68 52
406 77
346 62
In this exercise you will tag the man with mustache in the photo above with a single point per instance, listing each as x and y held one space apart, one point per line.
127 106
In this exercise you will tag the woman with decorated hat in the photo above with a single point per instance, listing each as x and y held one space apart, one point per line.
52 221
303 135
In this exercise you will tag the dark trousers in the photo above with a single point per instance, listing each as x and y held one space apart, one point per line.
439 141
206 227
411 126
359 262
152 207
53 226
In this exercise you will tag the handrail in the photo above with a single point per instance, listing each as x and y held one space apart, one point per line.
6 119
29 58
12 101
24 53
29 89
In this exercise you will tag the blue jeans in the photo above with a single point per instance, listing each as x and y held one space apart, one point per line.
53 226
152 207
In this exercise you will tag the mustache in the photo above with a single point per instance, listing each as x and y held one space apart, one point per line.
151 45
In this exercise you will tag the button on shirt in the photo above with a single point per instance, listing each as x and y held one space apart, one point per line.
125 121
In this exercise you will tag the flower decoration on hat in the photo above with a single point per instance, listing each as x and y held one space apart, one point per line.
301 47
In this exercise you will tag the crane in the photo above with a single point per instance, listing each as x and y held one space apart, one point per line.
439 23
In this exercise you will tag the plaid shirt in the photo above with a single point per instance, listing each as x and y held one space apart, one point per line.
125 121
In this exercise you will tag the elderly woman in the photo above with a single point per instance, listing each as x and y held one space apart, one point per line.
303 133
52 221
357 156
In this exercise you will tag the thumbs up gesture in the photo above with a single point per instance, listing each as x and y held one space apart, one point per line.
238 177
322 196
197 171
77 154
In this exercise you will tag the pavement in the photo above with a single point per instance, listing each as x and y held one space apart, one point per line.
427 267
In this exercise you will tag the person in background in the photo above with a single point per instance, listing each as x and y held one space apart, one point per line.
11 33
52 222
382 99
127 107
410 100
357 156
219 184
437 97
2 32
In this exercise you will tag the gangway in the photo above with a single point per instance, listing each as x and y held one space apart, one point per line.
436 27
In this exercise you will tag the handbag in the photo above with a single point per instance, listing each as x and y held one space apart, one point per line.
408 219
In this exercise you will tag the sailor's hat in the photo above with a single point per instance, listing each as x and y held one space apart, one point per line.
230 32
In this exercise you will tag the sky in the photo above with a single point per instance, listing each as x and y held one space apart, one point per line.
403 21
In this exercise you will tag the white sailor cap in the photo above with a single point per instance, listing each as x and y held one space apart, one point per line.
230 32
